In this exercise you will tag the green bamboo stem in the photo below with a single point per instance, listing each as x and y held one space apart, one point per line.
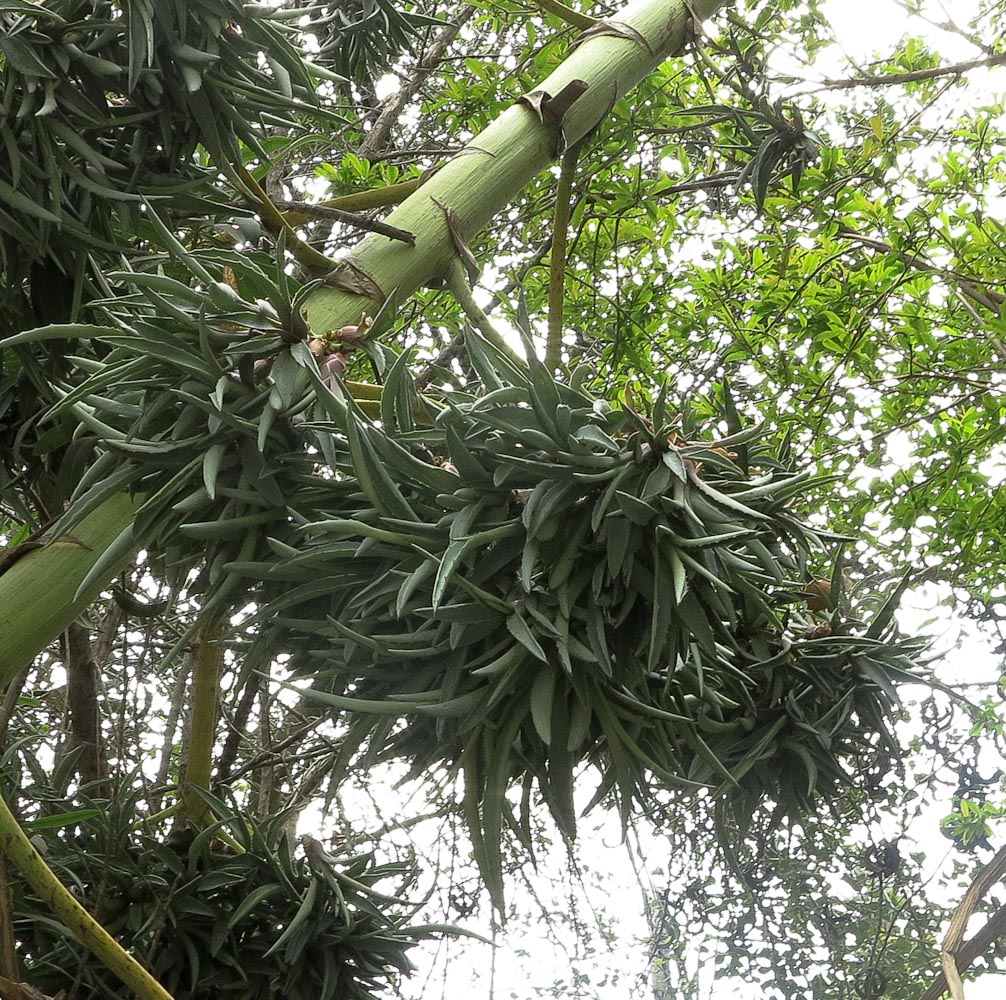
483 178
38 593
557 261
203 721
20 852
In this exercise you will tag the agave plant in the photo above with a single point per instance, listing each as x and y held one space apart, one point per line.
233 913
516 585
536 581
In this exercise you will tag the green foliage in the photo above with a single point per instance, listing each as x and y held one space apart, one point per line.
108 108
533 579
584 585
437 559
103 105
776 143
211 920
360 38
866 926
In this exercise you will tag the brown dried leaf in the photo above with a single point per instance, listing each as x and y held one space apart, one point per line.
349 277
464 253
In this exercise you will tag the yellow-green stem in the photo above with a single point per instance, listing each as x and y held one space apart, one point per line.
20 852
457 283
362 201
557 263
567 14
203 724
38 594
274 219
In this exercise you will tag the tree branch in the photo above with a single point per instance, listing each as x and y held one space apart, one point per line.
910 76
377 137
312 211
989 299
994 929
983 881
83 715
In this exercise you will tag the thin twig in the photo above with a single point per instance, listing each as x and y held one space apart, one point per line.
949 26
909 76
237 727
983 881
349 218
377 137
994 930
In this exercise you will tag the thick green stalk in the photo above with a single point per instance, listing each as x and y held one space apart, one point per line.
481 180
203 721
38 592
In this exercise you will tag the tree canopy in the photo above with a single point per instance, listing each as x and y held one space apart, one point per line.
540 409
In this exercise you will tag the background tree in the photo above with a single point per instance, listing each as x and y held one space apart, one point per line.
154 179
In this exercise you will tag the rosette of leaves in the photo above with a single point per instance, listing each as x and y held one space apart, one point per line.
516 585
773 139
107 104
107 101
253 921
533 581
203 420
363 37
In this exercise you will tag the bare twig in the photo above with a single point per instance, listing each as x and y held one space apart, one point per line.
983 881
949 25
909 76
994 930
349 218
168 744
237 727
377 137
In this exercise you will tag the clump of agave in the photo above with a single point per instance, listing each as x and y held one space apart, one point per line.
534 581
215 923
525 586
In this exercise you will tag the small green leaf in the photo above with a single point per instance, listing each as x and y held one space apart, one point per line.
520 630
542 692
